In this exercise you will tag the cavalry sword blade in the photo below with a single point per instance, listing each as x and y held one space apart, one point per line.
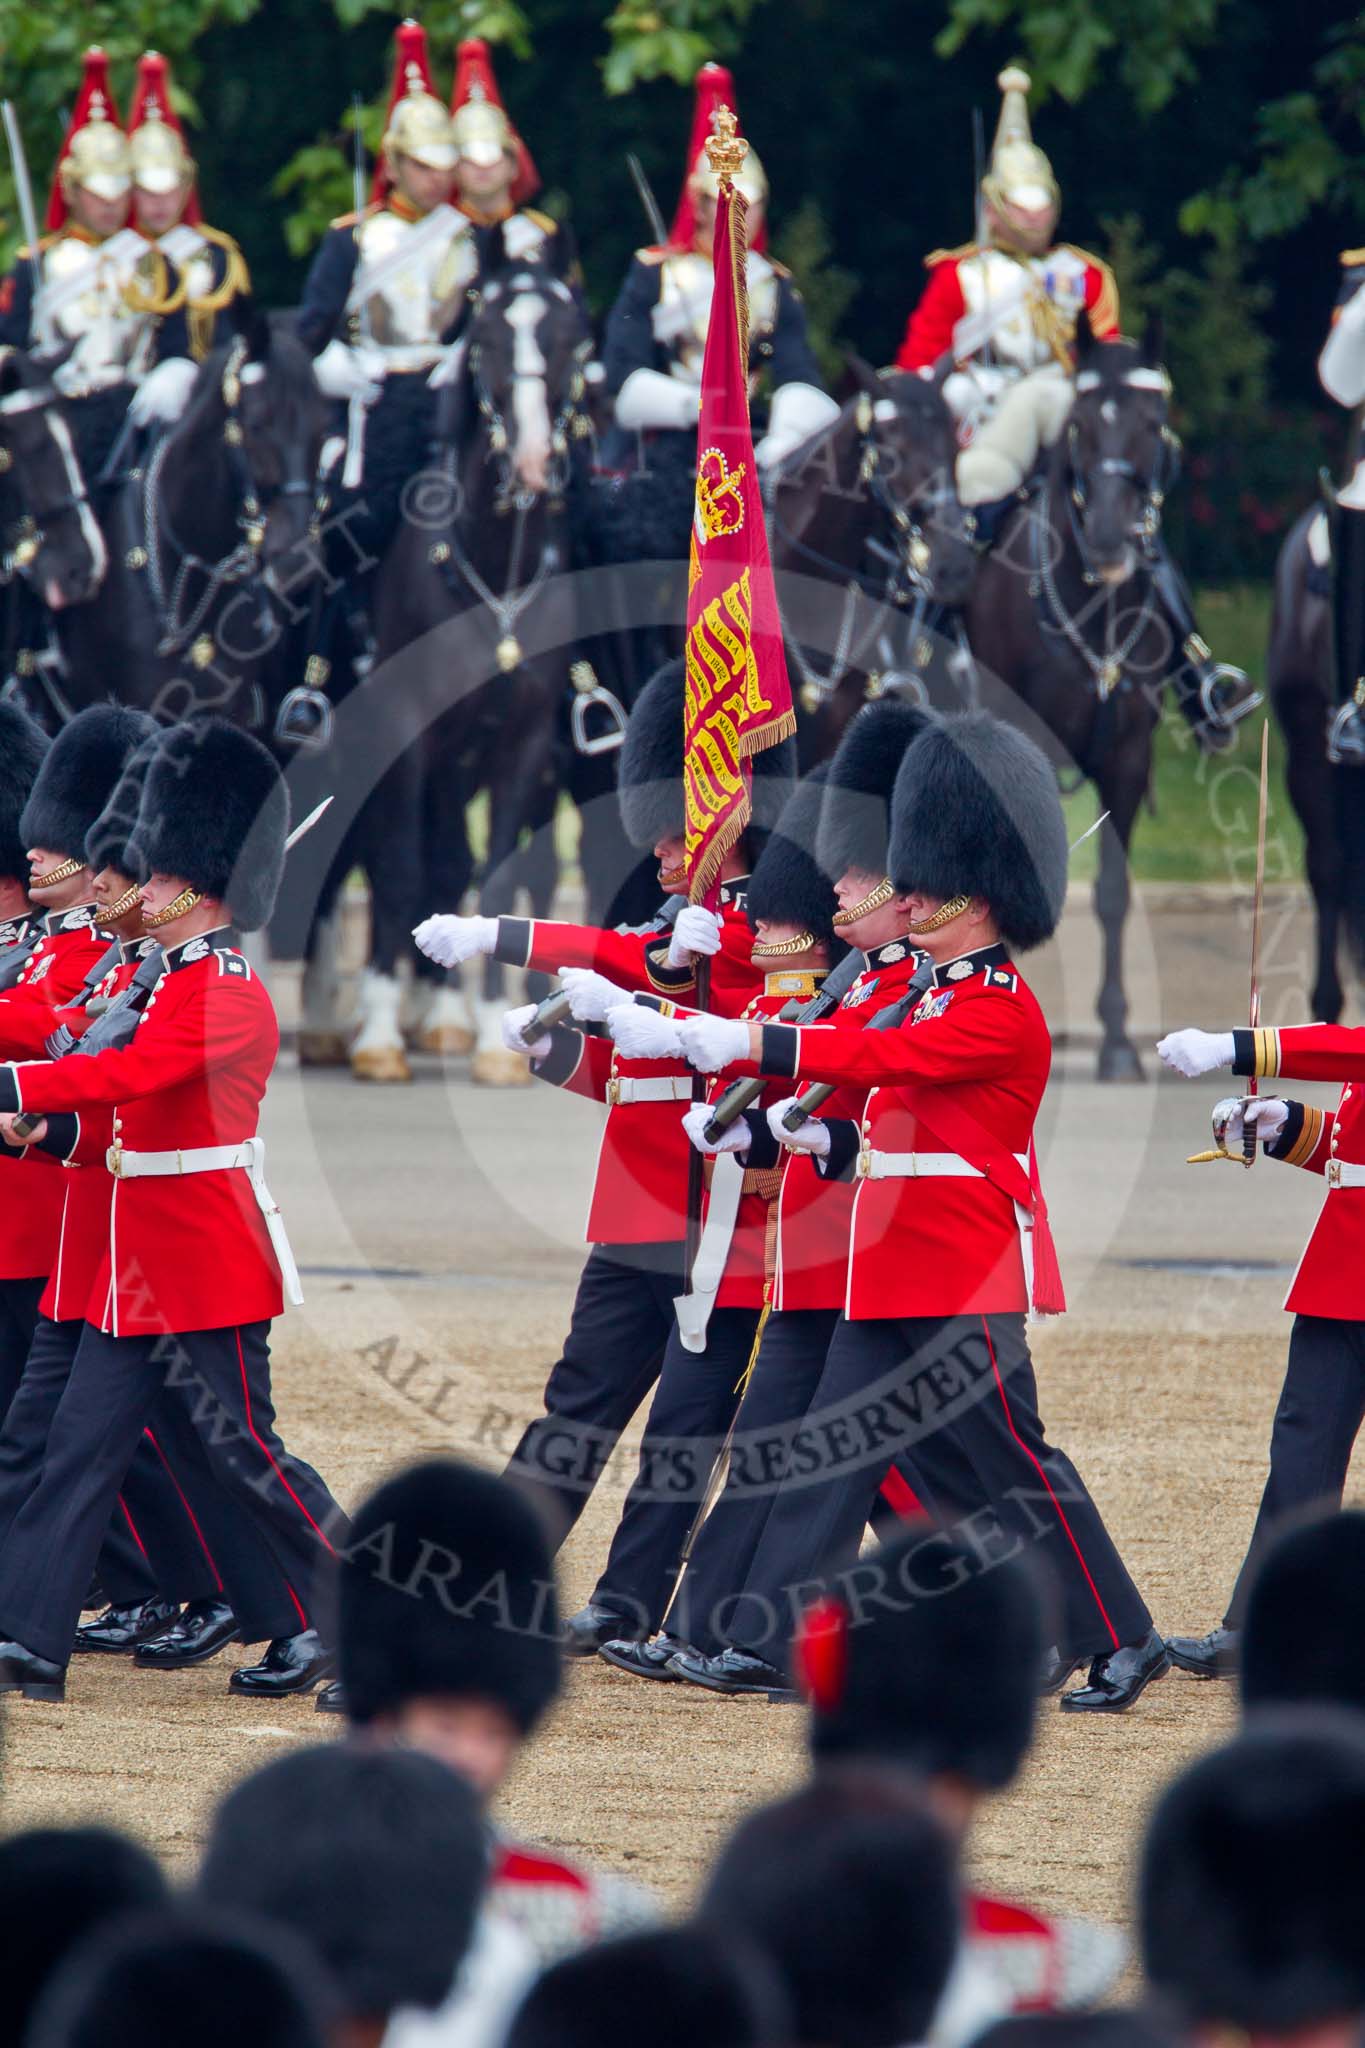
299 831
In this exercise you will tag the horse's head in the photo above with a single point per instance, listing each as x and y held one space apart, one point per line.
54 540
259 393
1117 451
909 453
524 366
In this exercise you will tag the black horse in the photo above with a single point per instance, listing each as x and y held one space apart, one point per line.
475 624
52 553
869 506
206 527
1064 612
1328 798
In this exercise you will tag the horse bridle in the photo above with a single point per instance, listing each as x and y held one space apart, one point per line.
564 423
31 524
908 517
1152 490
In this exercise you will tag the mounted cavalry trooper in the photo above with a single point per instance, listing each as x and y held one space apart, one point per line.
1005 308
656 331
166 210
93 284
1341 370
190 1277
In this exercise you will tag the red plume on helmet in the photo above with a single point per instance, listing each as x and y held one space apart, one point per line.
821 1653
94 101
411 67
715 87
475 80
152 102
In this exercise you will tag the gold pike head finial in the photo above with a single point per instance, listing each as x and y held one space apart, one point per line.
726 148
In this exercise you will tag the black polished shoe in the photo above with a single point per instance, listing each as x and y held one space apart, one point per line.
1058 1666
34 1677
290 1664
653 1659
734 1671
121 1629
1119 1677
585 1632
1215 1655
200 1633
331 1699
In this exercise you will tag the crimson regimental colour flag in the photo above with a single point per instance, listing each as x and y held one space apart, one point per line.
738 697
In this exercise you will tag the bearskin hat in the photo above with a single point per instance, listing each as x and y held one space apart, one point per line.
215 813
940 1674
1304 1638
78 775
404 1631
649 778
696 1983
57 1886
855 818
22 747
1251 1894
376 1857
975 812
108 842
787 884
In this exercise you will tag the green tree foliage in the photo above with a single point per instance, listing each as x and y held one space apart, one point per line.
804 244
1153 47
670 39
40 63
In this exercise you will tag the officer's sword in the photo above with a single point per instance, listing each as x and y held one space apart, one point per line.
353 467
647 199
1247 1157
307 824
28 218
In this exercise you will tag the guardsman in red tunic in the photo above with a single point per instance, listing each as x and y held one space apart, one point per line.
950 1248
807 1265
45 959
1322 1401
623 1312
190 1279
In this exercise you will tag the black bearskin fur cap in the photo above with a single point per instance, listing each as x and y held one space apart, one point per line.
787 885
855 820
108 843
57 1887
78 776
696 1983
941 1672
1251 1895
489 1628
976 812
23 745
215 813
649 774
1304 1638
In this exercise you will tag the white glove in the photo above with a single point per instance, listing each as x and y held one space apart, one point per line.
649 399
711 1043
695 930
164 392
1266 1112
737 1138
1341 366
449 940
512 1024
643 1034
1193 1053
797 412
591 996
812 1136
342 372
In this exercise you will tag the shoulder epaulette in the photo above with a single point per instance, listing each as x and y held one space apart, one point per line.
352 220
544 221
1002 977
232 962
1350 257
45 242
655 254
937 256
777 269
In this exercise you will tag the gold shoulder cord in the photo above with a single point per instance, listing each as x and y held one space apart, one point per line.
154 272
204 310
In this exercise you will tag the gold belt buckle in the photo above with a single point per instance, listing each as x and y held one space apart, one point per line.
864 1169
1334 1173
613 1093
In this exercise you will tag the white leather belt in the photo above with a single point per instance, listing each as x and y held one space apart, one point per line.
649 1088
250 1156
411 355
921 1166
693 1309
1345 1173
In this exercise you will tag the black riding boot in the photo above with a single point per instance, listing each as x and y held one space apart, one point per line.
1346 733
1213 696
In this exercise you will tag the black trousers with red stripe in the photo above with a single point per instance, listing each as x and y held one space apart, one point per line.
220 1381
18 1318
944 1397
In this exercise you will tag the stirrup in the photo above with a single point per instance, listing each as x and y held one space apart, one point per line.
588 691
1211 675
1346 736
304 719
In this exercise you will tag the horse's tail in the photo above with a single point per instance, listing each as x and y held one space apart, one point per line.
1348 794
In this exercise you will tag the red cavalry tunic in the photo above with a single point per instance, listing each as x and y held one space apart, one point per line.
967 280
977 1043
182 1254
1330 1279
640 1191
31 1189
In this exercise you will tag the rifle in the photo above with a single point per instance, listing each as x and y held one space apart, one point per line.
554 1008
742 1094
